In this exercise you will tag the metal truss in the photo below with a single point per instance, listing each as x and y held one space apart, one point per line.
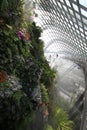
65 24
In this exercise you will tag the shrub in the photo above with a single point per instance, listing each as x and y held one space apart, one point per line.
62 120
48 127
45 98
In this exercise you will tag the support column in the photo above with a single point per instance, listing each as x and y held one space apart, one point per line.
84 114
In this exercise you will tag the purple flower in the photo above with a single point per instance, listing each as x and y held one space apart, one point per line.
20 34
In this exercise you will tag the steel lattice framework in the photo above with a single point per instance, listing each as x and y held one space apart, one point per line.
64 25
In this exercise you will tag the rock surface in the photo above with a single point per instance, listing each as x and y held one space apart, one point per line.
13 85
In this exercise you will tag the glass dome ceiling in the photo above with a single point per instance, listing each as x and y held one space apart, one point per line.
64 24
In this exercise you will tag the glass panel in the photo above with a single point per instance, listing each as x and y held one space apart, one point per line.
82 35
85 27
84 20
75 7
86 33
68 16
74 20
83 2
62 17
80 24
77 31
84 12
69 25
68 3
62 1
71 12
71 22
59 5
81 29
54 2
77 16
65 7
73 28
66 19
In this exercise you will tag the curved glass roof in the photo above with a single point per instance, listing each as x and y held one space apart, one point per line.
64 24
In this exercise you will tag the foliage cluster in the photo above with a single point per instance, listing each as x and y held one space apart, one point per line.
4 85
59 118
24 59
11 12
13 109
44 93
37 52
48 127
12 51
62 120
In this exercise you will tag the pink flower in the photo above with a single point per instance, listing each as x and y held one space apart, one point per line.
21 35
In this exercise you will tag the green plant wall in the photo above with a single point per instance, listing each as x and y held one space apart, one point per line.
21 56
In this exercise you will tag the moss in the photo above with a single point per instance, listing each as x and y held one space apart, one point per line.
18 95
4 85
